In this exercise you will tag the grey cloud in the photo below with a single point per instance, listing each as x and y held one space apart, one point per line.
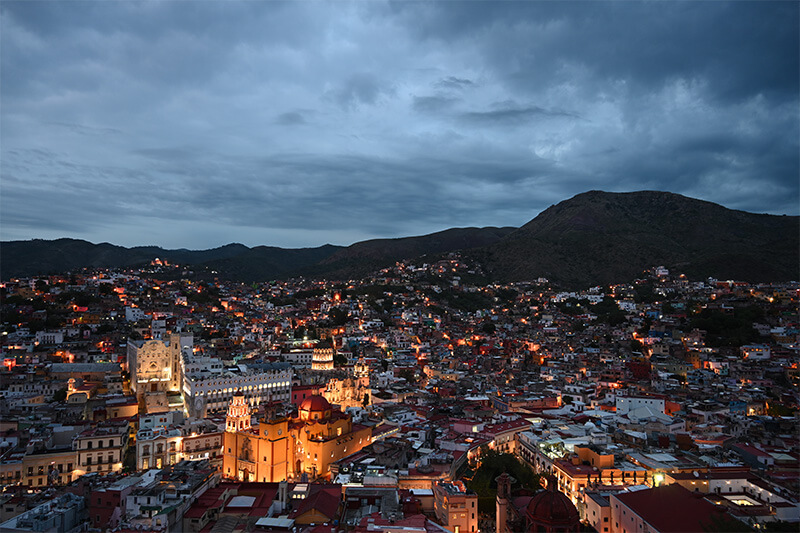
741 48
510 113
360 88
83 129
154 116
432 104
290 118
452 82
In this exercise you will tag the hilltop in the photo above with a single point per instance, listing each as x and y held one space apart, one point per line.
593 238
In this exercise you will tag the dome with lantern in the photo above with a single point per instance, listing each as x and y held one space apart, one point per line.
551 510
315 408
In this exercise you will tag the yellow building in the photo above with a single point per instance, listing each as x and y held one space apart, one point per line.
283 448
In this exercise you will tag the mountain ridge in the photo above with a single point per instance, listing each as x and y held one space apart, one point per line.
617 235
592 238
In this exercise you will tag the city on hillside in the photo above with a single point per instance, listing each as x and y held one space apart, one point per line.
418 399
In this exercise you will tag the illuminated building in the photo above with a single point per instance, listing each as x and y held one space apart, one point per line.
101 449
282 448
155 365
348 392
211 390
166 439
456 508
322 359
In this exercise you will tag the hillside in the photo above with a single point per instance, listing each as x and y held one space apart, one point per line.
239 262
598 237
593 238
366 256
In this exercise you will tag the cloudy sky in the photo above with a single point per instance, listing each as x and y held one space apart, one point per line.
195 124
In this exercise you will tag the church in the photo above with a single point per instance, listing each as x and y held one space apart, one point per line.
288 448
549 511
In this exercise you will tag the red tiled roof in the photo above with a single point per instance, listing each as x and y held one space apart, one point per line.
657 507
324 498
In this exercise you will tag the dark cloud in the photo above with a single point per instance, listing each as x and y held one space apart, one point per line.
357 89
452 82
508 112
290 118
432 104
294 124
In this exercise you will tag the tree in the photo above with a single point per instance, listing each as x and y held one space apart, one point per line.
60 395
408 375
338 317
339 359
778 409
365 401
492 464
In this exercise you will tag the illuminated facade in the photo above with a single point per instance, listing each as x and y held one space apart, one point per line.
155 365
100 449
322 359
456 508
282 448
212 389
348 392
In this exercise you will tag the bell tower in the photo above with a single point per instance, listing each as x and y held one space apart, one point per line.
238 418
504 482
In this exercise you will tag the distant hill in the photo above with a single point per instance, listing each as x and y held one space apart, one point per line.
599 237
239 262
593 238
236 261
264 263
366 256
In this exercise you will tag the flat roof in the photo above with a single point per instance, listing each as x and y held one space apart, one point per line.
284 523
241 501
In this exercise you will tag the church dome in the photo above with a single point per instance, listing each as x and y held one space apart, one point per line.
315 408
552 508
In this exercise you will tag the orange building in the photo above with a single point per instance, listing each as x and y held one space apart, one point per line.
283 448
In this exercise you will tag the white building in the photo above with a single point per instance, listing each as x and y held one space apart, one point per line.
299 358
627 404
755 352
134 314
155 365
207 391
50 337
